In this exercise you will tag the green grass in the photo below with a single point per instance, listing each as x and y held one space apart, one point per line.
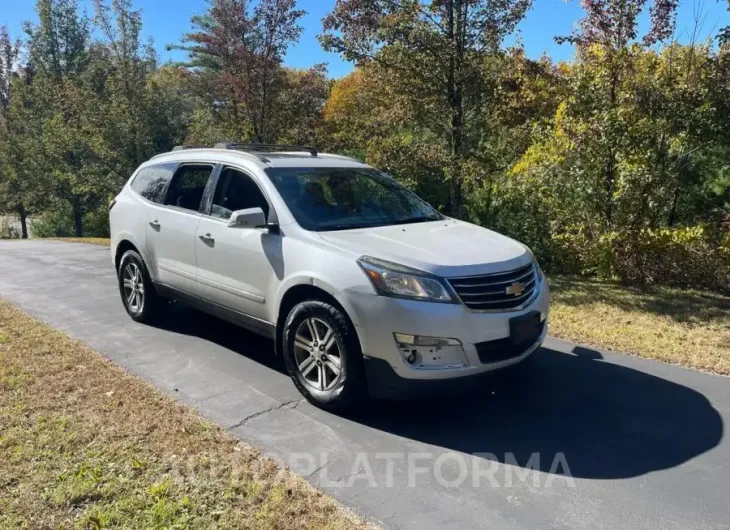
83 444
685 327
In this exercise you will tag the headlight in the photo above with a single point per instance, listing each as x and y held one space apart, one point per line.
399 281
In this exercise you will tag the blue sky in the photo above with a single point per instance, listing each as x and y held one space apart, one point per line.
167 20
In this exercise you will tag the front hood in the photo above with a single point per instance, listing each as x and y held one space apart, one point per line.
448 248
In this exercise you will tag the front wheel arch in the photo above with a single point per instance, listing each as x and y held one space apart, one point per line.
301 293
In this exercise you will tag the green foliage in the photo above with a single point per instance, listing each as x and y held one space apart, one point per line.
629 173
614 164
8 228
236 52
59 222
432 57
690 256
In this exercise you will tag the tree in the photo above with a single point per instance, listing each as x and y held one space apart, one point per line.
603 38
8 54
58 44
434 52
120 70
88 105
13 196
367 117
24 186
58 55
299 117
236 53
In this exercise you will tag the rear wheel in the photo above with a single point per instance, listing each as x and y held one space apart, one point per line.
140 300
322 355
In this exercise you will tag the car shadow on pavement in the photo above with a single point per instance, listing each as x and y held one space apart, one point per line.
609 421
184 320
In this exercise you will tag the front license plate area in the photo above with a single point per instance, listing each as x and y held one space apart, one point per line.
525 329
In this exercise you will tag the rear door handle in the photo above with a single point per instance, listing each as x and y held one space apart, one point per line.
155 224
207 238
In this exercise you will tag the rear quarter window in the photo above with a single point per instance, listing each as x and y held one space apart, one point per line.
152 181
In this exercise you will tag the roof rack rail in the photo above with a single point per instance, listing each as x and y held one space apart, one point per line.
266 147
185 147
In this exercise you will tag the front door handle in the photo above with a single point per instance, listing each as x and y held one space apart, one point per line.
207 239
155 224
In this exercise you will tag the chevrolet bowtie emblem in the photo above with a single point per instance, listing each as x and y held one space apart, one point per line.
516 289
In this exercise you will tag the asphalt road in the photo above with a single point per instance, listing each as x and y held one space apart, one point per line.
643 442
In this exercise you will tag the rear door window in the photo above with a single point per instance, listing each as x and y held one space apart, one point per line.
188 185
152 181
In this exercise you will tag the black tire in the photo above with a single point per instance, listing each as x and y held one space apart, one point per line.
349 389
149 310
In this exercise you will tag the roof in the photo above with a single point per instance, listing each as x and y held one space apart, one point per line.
259 159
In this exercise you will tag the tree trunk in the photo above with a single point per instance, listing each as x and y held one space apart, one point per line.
78 218
673 211
457 195
456 102
23 215
609 166
609 185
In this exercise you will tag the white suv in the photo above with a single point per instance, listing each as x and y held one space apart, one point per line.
362 285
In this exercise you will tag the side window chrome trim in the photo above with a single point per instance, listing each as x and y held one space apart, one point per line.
178 209
213 218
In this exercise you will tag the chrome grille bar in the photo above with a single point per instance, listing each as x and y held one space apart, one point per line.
489 292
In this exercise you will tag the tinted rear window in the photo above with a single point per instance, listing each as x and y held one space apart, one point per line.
188 186
151 181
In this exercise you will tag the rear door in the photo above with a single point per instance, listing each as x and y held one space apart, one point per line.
150 183
236 265
171 228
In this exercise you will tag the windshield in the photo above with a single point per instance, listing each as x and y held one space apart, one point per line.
324 199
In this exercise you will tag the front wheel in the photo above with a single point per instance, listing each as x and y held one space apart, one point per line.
322 355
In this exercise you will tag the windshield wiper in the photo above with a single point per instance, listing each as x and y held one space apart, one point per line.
413 220
326 228
353 226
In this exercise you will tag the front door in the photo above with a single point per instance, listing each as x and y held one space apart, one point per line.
171 228
236 265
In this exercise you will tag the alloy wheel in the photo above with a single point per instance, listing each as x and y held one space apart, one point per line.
317 354
133 287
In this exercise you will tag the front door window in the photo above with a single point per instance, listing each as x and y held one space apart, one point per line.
236 191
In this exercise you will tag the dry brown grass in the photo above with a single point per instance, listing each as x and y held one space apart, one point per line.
102 241
690 328
83 444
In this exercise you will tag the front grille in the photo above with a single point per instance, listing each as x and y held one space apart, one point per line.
490 291
494 351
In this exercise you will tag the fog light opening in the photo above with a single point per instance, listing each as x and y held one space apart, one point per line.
405 340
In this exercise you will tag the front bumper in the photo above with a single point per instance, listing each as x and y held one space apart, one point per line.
384 383
376 318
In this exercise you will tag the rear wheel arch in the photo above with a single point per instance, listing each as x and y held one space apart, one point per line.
123 246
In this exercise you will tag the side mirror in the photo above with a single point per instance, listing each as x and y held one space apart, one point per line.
248 218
